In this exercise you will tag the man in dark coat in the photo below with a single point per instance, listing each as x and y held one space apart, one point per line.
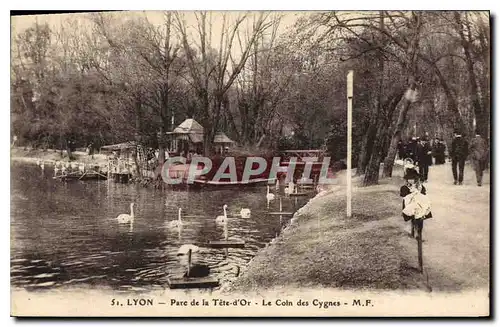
424 158
435 150
478 154
459 152
411 149
401 150
440 152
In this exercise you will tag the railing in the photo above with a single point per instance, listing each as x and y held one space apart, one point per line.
121 166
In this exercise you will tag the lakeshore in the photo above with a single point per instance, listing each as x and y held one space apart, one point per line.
51 156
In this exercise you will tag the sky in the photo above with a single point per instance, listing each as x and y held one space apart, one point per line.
19 23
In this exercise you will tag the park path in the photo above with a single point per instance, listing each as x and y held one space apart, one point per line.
457 239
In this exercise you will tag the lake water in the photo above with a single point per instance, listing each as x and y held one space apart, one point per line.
66 234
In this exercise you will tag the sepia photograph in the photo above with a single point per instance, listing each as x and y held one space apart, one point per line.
250 164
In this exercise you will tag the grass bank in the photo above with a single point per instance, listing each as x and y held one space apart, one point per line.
323 248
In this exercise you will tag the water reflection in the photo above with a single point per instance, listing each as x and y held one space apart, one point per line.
66 233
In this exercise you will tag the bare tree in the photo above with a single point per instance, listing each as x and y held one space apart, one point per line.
213 71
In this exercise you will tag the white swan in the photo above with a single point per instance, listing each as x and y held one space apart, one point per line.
290 188
222 219
184 249
178 222
245 213
125 218
269 195
318 189
193 270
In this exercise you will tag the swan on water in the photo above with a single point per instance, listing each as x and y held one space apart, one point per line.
196 270
178 222
222 219
126 218
269 195
184 249
245 213
290 189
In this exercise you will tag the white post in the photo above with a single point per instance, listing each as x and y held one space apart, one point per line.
349 141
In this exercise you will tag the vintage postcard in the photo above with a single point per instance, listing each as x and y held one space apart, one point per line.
262 163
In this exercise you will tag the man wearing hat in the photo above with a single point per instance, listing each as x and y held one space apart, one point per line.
424 158
411 149
458 154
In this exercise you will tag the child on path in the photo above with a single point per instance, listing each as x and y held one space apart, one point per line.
416 204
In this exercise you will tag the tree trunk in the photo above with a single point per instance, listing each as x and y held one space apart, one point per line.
381 138
366 148
372 171
373 145
481 122
400 125
161 149
138 125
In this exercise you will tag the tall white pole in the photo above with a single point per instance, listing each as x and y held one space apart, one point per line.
349 141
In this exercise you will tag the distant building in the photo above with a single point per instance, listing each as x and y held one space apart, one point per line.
186 137
222 142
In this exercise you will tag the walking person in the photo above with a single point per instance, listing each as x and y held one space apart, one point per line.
478 154
401 150
411 149
441 150
424 158
435 150
458 154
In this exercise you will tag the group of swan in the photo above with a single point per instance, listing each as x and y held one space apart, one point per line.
244 213
196 270
291 188
126 218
